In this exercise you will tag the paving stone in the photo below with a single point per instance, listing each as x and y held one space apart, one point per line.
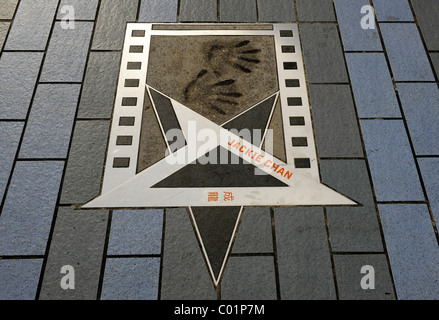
355 38
238 11
67 53
406 53
335 121
111 23
29 207
83 9
158 11
254 234
4 28
19 279
198 10
315 10
372 85
249 278
131 279
10 134
323 54
184 272
420 102
31 27
435 60
18 75
349 276
136 232
393 10
78 241
427 15
50 123
412 249
352 229
429 168
391 161
7 8
83 174
305 270
99 89
279 11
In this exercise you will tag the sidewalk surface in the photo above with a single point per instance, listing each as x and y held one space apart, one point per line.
374 100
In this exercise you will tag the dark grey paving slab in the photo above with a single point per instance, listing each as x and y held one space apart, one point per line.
83 9
427 15
111 23
406 52
412 249
372 85
355 38
19 279
238 11
315 10
23 228
184 272
4 28
50 123
435 60
254 234
352 229
83 174
305 270
7 8
131 279
323 54
429 168
420 103
276 11
391 161
335 121
18 75
10 134
158 11
393 10
135 232
78 240
249 278
67 53
31 27
198 10
99 89
348 269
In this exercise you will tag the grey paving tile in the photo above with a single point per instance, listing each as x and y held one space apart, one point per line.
435 60
412 249
352 229
111 23
50 123
391 161
249 278
78 240
323 54
158 11
355 38
335 121
19 279
29 207
393 10
254 234
67 53
10 134
131 279
18 75
198 10
184 272
427 15
372 85
136 232
315 10
304 264
407 56
420 103
429 168
278 11
7 8
99 89
349 276
4 28
83 174
83 9
31 27
238 11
